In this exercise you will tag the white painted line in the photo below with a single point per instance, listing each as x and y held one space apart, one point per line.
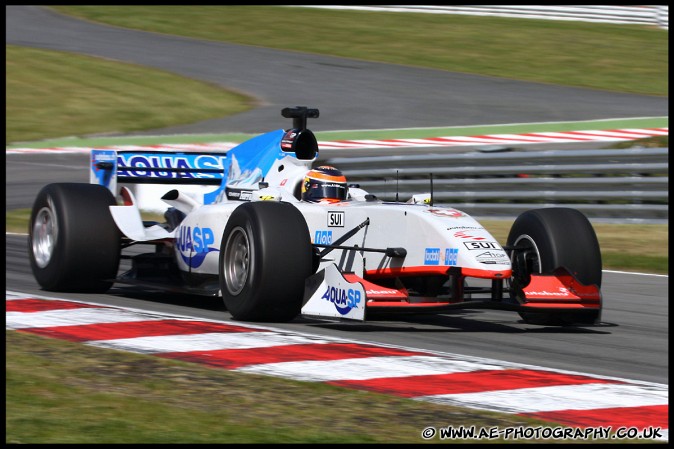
563 397
206 342
369 368
73 317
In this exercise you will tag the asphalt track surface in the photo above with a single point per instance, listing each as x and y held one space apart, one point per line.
631 342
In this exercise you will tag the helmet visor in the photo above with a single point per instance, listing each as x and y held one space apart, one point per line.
330 190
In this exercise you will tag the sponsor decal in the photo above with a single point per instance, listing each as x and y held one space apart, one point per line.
465 227
193 244
562 292
481 245
382 292
323 238
564 286
432 256
288 140
463 235
451 256
343 299
336 219
243 195
492 257
446 213
156 165
103 166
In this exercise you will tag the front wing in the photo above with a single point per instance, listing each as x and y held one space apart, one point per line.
333 294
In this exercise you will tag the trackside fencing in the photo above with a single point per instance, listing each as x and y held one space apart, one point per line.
626 185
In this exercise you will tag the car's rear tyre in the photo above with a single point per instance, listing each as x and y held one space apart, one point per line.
548 239
265 257
73 242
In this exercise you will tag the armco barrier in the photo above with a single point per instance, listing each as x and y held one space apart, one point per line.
628 185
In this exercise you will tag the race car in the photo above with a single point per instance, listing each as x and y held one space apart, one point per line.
276 238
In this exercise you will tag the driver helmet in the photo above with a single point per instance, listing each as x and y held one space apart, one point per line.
324 183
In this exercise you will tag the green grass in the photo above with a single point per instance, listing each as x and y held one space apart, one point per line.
59 392
649 142
624 247
625 58
17 220
56 94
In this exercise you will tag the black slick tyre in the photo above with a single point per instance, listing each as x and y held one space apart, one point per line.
549 238
74 244
265 257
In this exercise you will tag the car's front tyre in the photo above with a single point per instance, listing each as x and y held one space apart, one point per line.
549 238
265 257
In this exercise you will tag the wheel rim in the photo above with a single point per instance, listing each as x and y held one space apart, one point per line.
45 233
527 258
236 261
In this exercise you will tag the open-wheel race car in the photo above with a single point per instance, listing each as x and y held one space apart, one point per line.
276 239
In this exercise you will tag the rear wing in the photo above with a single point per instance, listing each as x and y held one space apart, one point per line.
165 170
207 176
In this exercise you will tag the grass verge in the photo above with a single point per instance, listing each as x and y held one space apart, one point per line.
624 247
48 96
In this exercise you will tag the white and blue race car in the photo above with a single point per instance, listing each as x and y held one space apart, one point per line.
236 226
